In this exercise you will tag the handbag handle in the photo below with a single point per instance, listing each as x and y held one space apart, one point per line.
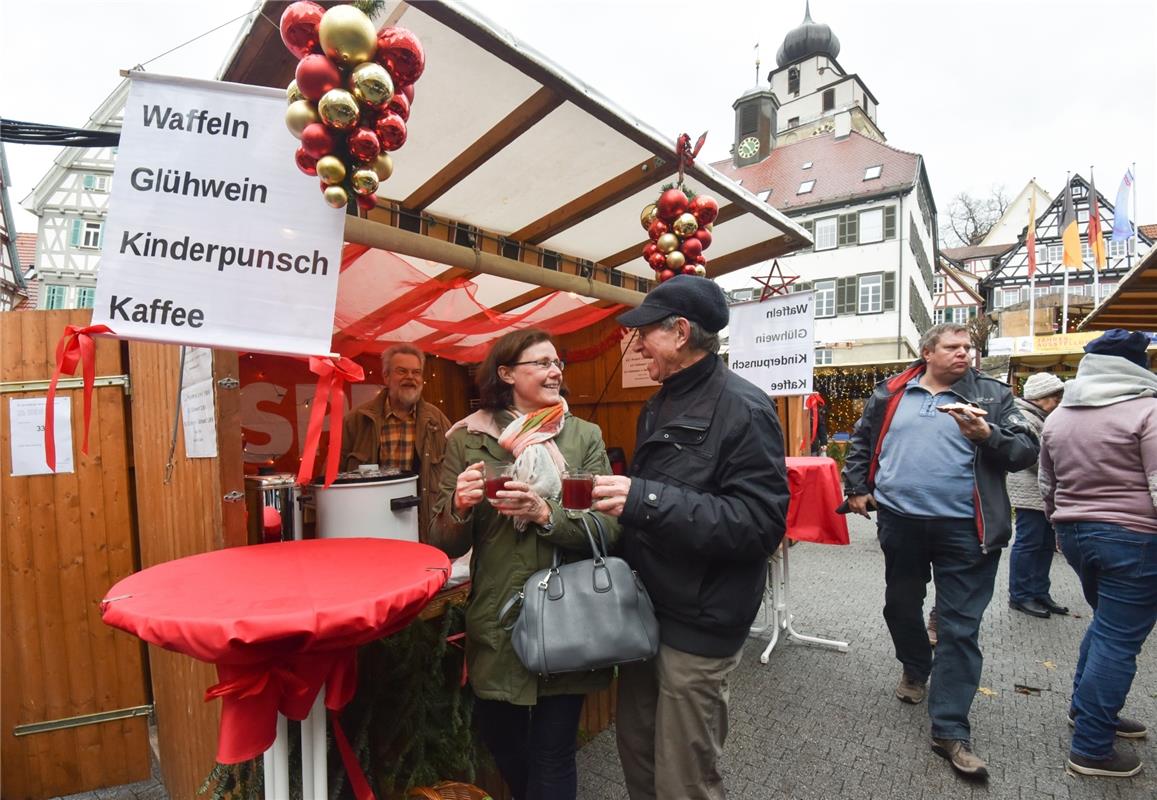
602 531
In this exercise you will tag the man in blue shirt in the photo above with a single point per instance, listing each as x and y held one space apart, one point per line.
937 480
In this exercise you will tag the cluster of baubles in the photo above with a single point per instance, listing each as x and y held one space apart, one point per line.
680 229
351 97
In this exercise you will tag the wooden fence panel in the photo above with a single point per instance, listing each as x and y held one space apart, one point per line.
67 538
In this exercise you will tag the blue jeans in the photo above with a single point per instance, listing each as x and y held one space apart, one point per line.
534 746
1118 572
1030 557
947 550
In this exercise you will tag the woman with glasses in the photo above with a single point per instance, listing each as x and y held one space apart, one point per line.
529 723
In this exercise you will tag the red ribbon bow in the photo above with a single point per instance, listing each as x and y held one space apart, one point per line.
333 374
75 346
812 403
685 153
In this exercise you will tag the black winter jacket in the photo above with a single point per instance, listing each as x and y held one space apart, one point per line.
1010 447
707 506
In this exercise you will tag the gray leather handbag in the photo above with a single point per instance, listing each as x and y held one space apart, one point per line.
583 615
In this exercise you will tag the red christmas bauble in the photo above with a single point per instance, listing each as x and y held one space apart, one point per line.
704 236
401 53
391 131
657 229
666 275
363 145
316 75
408 90
648 249
305 162
689 269
299 28
657 260
400 105
701 259
692 248
367 202
317 140
671 204
705 208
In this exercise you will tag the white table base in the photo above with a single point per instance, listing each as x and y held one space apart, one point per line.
314 770
777 612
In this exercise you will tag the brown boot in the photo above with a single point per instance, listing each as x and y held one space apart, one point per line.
910 690
961 757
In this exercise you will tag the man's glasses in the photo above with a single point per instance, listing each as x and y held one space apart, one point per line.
543 363
402 372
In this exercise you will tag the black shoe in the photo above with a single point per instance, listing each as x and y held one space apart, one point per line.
1126 728
1053 606
1034 608
1118 765
959 754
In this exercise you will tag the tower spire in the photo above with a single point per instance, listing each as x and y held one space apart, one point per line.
807 11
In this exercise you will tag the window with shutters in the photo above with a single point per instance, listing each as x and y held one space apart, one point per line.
748 119
846 295
870 294
890 222
1055 252
809 226
871 226
848 229
825 235
889 291
54 296
829 99
825 298
85 296
919 253
917 312
90 238
793 80
96 183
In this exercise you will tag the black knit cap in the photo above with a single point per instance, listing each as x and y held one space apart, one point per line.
1122 343
698 299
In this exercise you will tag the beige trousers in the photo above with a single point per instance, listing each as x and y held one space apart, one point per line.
671 722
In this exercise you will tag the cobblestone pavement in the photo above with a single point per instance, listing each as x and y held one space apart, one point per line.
819 724
815 723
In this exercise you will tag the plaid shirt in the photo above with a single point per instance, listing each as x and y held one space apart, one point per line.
399 431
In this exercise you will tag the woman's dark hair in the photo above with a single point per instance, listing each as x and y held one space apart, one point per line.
494 393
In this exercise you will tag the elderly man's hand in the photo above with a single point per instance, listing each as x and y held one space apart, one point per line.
610 494
974 428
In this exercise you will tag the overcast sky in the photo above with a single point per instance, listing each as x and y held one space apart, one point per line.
990 92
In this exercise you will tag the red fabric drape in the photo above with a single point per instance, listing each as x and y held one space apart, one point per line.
332 374
75 347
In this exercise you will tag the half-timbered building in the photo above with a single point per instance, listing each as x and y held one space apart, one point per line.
12 290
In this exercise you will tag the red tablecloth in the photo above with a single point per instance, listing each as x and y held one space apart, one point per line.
815 493
278 620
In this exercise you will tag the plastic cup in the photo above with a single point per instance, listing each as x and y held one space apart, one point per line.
576 490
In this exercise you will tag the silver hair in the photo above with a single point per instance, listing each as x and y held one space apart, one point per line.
398 349
698 339
931 337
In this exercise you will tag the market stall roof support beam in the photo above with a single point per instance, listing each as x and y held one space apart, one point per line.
396 240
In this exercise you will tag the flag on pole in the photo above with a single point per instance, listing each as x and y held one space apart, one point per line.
1070 236
1093 232
1122 228
1030 237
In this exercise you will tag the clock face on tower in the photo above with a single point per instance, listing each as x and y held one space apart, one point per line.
747 147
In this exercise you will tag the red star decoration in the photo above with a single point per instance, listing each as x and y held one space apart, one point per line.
779 288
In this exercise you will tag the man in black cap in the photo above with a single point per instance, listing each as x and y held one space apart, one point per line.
1098 477
702 508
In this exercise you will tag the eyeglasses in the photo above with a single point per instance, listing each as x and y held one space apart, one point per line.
543 363
402 372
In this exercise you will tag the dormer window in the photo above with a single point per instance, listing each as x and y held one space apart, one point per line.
805 187
872 173
806 165
793 80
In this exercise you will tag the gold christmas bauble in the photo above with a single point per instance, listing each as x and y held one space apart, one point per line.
365 181
648 216
292 93
701 270
300 114
667 242
676 260
336 196
338 109
371 84
347 36
331 169
685 225
383 166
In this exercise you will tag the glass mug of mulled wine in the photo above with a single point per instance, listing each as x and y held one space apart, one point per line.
495 478
576 489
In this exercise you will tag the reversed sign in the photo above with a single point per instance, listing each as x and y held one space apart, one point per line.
772 343
213 236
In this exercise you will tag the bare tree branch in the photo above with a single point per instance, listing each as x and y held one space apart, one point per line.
970 218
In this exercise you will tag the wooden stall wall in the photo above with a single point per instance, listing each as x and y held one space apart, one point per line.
182 516
67 538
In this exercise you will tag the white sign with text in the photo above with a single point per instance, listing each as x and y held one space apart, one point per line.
772 343
26 435
214 237
634 366
198 412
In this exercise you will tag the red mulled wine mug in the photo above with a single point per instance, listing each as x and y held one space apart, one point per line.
576 489
496 477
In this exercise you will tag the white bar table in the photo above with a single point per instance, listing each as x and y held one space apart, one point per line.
777 608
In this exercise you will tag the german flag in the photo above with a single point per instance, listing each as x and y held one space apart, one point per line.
1070 236
1093 232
